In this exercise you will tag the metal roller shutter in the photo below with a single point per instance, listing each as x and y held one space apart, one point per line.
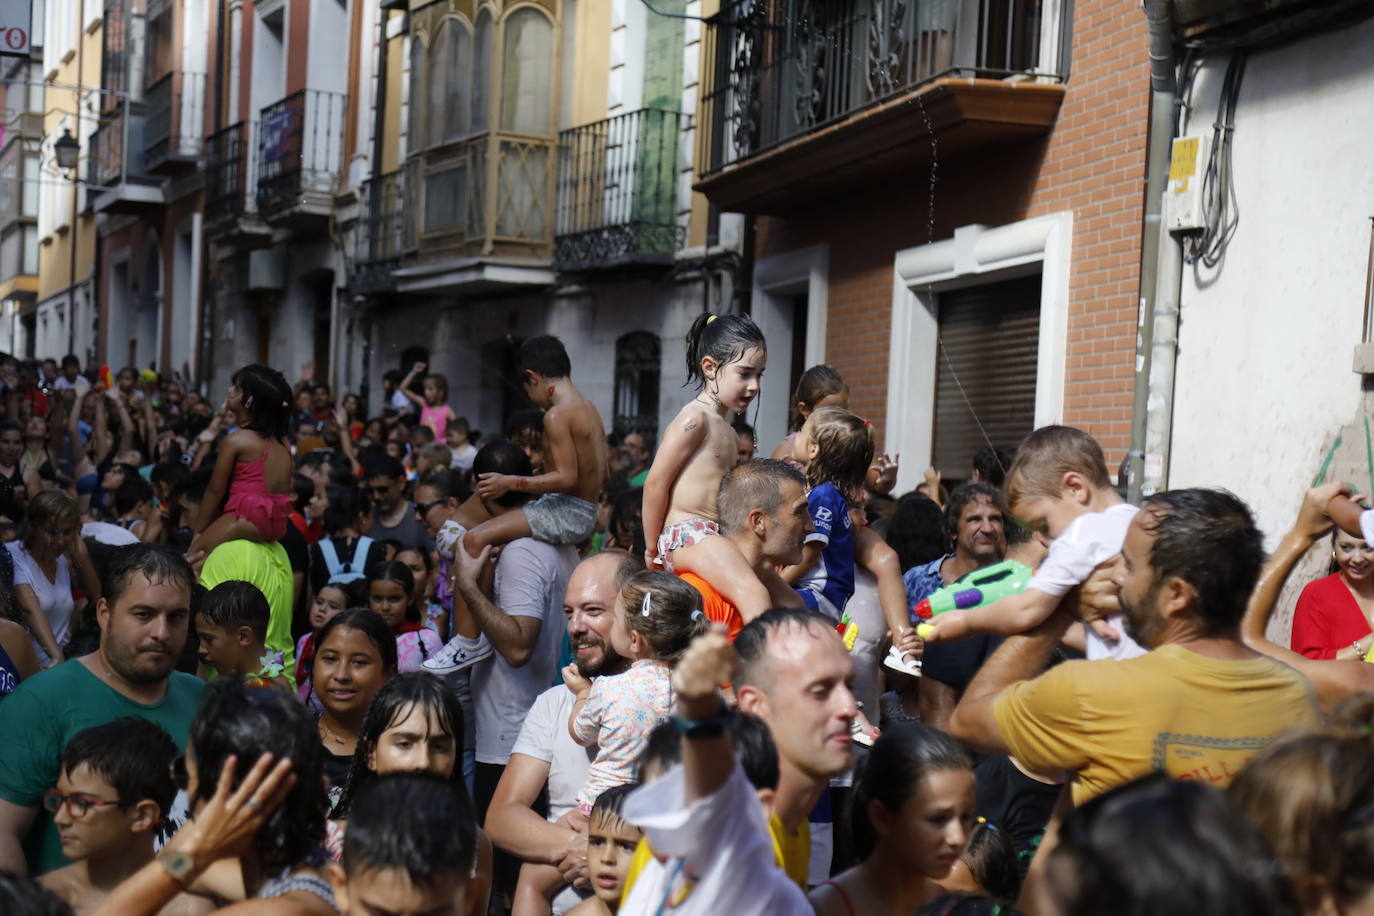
990 338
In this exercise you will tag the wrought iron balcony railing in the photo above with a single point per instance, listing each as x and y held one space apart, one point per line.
785 68
300 149
176 117
117 146
618 190
380 233
231 173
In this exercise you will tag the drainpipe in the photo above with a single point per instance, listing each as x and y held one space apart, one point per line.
1161 273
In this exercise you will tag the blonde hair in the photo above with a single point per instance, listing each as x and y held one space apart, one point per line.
844 450
1047 455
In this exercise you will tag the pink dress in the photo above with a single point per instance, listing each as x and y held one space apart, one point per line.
250 501
436 418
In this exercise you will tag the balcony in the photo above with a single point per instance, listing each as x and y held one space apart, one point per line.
231 183
175 129
379 236
480 215
117 178
811 97
617 191
300 155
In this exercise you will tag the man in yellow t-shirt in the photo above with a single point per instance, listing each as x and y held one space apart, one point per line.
1197 706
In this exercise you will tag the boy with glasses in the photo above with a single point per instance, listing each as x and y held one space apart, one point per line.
114 790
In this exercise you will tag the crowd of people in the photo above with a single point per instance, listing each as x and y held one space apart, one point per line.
274 655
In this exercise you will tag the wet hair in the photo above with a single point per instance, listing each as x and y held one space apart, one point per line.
992 464
1311 795
171 473
447 484
503 457
1162 846
892 771
627 509
367 622
917 531
46 512
1046 455
756 484
611 802
526 419
131 492
844 450
991 860
749 736
246 722
11 426
383 466
751 643
235 604
345 505
417 823
967 493
134 755
815 385
267 398
964 904
158 563
1208 539
397 696
674 616
398 572
22 895
724 338
543 355
438 380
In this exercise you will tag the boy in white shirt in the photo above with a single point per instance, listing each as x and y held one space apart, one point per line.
709 850
1058 485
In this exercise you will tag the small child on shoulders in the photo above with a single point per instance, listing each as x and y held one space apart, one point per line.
1058 485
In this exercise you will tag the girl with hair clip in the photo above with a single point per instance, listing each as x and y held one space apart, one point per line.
254 465
657 616
912 816
726 355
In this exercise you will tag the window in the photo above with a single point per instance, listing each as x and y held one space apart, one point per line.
446 199
158 43
527 74
416 128
638 365
450 74
481 75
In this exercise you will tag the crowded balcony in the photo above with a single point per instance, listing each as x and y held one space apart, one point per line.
175 127
300 156
231 184
807 97
618 191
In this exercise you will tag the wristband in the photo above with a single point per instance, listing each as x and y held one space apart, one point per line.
1359 653
711 727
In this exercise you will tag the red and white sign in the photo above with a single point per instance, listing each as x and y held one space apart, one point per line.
16 20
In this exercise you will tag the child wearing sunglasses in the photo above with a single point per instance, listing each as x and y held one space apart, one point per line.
114 791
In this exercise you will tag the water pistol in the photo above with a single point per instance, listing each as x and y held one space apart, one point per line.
105 379
980 587
849 632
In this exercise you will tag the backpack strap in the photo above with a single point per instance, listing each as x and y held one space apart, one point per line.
331 557
360 552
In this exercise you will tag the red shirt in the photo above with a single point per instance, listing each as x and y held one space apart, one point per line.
717 609
1326 619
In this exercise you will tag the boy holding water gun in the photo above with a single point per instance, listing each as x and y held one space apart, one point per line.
1058 485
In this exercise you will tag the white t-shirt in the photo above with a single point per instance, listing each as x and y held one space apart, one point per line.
462 458
531 577
721 842
1089 541
545 737
55 598
106 533
399 402
1367 525
80 386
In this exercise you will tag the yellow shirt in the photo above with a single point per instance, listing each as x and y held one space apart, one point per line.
793 852
1188 715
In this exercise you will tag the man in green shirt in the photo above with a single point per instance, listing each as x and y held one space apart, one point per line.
143 614
638 453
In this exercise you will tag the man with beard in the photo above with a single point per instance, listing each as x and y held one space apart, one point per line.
143 615
545 754
1198 705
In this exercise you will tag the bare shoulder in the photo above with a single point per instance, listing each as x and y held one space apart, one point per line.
691 418
188 905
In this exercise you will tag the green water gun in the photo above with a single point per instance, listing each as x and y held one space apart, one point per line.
980 587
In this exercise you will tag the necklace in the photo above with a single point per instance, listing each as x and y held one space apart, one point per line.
327 734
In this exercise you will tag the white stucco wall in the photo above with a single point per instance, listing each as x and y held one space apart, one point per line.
1265 346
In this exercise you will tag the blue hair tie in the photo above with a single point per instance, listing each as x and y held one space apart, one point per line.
697 615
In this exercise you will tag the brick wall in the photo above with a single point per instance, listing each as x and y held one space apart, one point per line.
1093 163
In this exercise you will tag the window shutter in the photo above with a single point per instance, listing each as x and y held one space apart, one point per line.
991 336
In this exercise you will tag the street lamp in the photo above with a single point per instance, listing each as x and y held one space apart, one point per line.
68 149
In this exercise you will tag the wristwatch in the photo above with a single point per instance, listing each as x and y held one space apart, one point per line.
178 865
711 727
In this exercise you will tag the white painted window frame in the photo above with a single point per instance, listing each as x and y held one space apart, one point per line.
976 255
776 280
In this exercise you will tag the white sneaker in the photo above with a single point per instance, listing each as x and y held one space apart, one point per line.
461 652
898 662
858 735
